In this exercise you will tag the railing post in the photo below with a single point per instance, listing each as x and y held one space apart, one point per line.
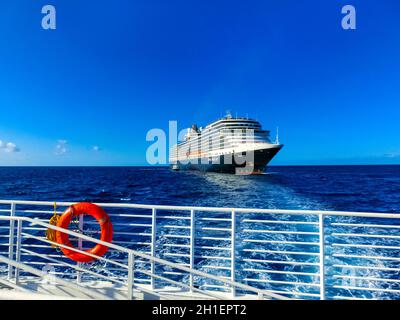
153 244
130 275
80 247
11 241
233 247
321 257
192 243
18 249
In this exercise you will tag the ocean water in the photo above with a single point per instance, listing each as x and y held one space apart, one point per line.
342 188
348 188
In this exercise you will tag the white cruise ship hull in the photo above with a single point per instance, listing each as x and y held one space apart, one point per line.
220 164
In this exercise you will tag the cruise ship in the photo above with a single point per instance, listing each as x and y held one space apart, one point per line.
229 145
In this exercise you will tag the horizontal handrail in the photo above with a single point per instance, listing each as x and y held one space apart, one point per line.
214 209
144 256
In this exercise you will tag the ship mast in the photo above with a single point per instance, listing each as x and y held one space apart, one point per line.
277 136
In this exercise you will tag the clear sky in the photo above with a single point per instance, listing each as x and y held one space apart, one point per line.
88 92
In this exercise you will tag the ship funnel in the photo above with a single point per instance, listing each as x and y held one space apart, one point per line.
195 128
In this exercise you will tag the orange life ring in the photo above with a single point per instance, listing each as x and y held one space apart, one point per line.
105 224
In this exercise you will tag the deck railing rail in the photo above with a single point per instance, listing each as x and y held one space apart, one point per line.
302 254
15 266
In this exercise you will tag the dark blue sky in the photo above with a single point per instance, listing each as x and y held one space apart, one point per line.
112 70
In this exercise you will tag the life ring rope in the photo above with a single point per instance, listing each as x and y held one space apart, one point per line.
51 233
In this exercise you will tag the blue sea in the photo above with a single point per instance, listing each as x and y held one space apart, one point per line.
347 188
339 188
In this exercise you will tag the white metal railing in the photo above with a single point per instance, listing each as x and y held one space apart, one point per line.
128 281
301 254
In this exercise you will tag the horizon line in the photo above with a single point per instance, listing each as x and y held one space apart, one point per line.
167 166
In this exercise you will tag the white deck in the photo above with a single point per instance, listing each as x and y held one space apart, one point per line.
32 288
